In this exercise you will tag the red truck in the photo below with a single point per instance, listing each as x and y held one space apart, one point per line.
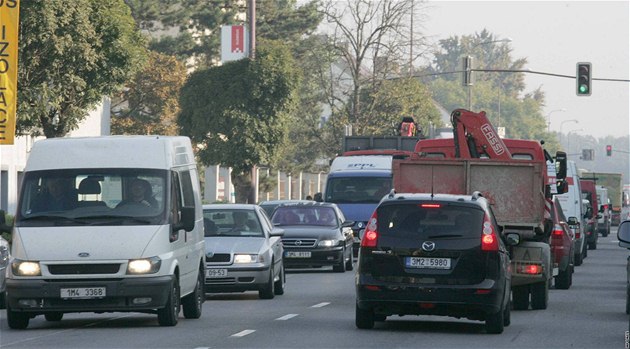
518 177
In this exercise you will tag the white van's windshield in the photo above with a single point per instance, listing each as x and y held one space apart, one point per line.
357 189
93 197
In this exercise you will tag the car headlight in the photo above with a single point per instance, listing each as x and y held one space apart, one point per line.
25 268
328 243
247 258
144 266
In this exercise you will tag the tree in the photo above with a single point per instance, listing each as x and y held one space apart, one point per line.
69 58
150 103
237 113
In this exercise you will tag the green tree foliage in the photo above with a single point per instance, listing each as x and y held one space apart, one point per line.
150 103
69 58
237 114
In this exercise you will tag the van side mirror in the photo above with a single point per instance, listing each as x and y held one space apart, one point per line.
573 221
562 186
623 234
187 220
589 213
561 165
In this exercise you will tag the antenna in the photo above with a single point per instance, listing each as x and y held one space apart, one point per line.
432 167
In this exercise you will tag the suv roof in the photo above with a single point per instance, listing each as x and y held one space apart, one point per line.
476 198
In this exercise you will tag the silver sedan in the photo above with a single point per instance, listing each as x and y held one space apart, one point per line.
243 251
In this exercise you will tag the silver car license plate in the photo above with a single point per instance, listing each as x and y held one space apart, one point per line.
428 263
216 273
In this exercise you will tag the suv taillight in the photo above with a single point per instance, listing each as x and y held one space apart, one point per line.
370 237
557 232
489 239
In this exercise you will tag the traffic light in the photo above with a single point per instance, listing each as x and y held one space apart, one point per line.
588 154
583 79
609 150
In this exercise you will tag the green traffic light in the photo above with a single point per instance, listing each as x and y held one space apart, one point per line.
583 89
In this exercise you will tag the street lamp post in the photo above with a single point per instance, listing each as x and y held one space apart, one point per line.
569 137
549 117
470 50
562 124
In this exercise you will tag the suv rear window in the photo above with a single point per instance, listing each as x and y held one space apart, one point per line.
430 222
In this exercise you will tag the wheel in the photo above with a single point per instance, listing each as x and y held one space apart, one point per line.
363 318
17 320
585 251
540 295
267 291
192 303
495 322
3 299
278 287
628 299
168 315
380 317
507 315
563 280
578 259
54 316
341 267
520 297
350 262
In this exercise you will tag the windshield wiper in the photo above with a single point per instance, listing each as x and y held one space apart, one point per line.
118 218
54 218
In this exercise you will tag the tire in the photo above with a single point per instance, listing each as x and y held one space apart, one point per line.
520 297
278 287
563 280
540 295
53 316
3 299
628 299
364 318
350 262
495 322
341 267
168 315
507 315
192 304
17 320
267 291
592 245
380 317
585 251
578 259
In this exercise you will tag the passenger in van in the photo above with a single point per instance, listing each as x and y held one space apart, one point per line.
140 192
55 196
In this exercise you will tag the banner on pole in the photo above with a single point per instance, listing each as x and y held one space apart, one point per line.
9 25
234 43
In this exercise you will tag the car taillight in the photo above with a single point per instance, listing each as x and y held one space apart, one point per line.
489 239
370 237
557 231
430 205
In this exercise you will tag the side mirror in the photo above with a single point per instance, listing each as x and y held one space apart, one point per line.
599 216
187 221
623 234
573 221
562 186
512 239
276 232
561 165
4 228
347 224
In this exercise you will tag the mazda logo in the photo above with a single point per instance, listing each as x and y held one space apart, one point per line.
298 242
428 246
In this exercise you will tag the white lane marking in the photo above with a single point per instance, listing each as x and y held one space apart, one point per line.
202 348
243 333
287 317
320 305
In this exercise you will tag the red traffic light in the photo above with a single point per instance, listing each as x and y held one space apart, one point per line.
608 150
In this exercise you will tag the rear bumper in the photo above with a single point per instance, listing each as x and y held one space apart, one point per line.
122 295
468 301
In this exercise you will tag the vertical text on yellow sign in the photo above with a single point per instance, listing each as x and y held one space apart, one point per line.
9 24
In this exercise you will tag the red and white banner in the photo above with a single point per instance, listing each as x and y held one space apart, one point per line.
234 43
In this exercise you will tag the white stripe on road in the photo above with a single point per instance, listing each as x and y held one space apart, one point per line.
320 305
287 317
243 333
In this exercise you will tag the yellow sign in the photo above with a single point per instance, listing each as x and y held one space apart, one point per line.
9 24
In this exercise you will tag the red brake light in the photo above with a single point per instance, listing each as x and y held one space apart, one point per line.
370 237
557 230
430 205
489 240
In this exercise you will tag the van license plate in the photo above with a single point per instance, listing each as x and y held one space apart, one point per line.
292 254
216 273
428 263
83 292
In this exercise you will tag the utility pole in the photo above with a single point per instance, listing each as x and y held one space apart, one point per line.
252 198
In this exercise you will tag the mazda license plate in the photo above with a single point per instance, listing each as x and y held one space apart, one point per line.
428 263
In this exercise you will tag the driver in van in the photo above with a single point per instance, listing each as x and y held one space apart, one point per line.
56 196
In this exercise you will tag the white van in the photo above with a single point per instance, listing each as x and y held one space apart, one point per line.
108 224
571 203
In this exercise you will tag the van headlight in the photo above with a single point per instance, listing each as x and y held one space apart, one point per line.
25 268
144 266
247 258
328 243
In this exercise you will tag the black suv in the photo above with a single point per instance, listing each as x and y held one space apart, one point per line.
425 254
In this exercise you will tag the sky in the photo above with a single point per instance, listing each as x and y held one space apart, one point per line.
554 36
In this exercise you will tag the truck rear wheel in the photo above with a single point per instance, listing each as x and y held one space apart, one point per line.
540 295
520 297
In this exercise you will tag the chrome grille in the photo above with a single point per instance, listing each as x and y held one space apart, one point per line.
297 243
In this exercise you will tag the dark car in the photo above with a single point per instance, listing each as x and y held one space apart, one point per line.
316 234
425 254
623 235
562 247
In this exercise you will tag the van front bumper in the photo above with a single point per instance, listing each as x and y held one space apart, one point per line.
121 295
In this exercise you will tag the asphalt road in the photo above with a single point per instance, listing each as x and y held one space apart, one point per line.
317 311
